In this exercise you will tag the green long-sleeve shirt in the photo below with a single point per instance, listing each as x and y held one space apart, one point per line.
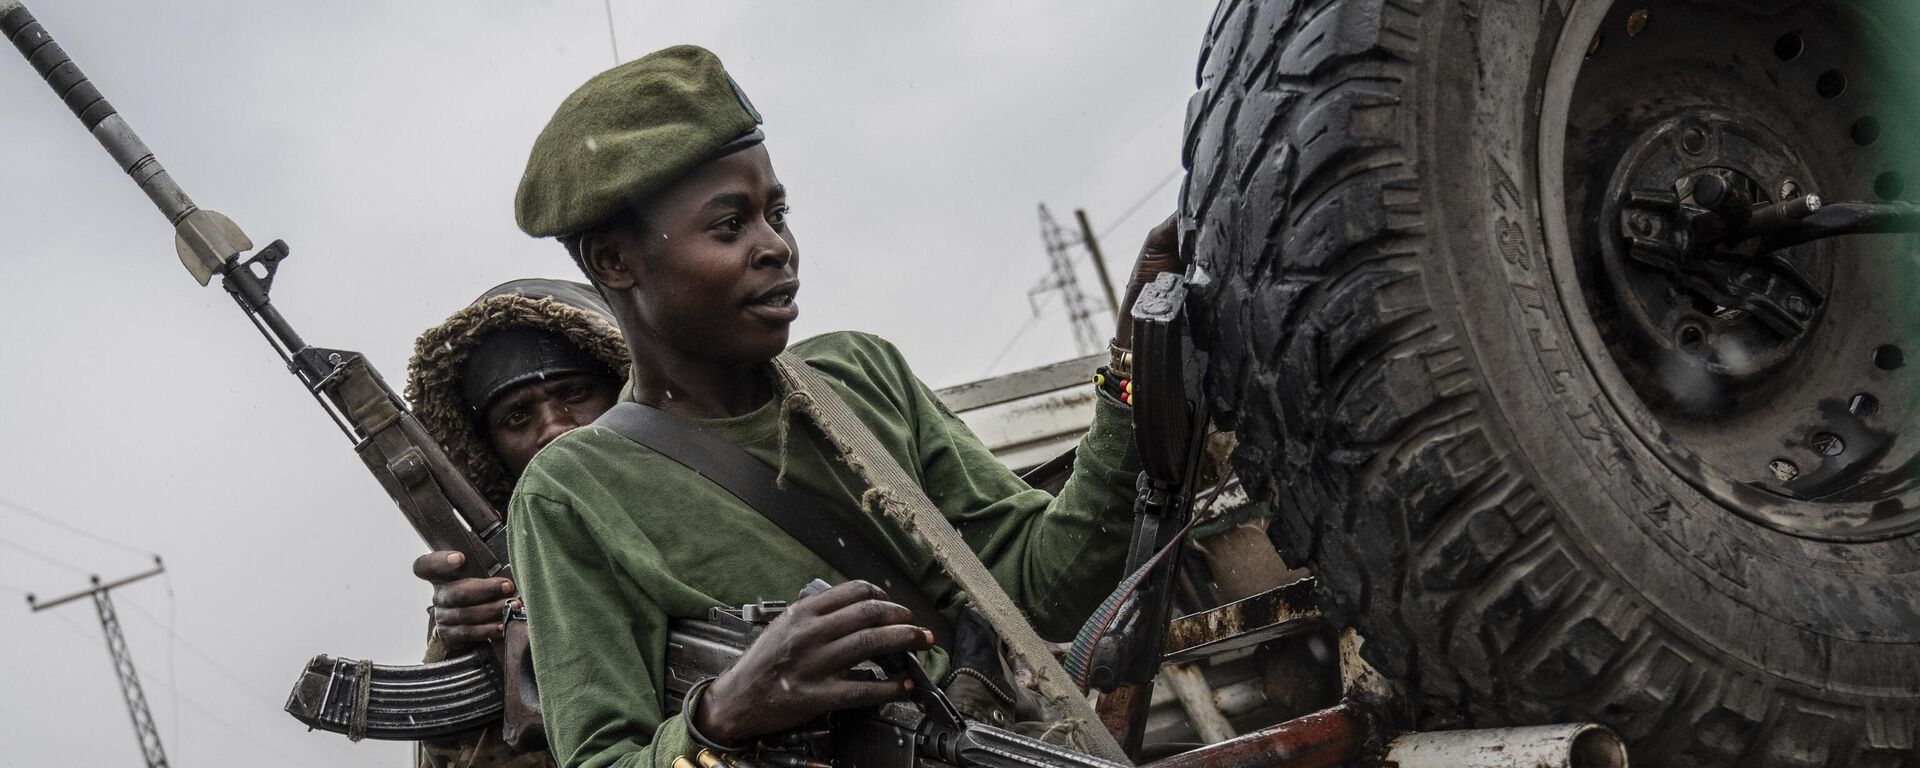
610 540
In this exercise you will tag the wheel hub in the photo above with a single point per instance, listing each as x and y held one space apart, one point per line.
1733 316
1763 364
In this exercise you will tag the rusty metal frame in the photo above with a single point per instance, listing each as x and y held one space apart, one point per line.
1276 613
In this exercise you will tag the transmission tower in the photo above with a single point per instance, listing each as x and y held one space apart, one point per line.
143 726
1062 278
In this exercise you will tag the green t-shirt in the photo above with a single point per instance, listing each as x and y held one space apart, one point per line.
610 540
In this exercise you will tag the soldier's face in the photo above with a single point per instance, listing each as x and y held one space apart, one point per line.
524 419
714 268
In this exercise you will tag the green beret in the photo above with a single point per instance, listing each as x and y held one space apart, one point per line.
625 135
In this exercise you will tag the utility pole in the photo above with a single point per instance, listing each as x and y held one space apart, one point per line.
1099 262
1061 277
143 726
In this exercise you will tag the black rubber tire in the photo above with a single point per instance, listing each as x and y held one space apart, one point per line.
1387 340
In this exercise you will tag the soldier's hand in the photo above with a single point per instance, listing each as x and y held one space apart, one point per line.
797 669
1159 254
466 611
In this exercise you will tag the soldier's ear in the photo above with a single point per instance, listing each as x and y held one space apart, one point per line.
602 256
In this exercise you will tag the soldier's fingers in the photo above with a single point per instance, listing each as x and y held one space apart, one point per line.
443 565
858 616
466 592
840 596
1165 236
847 694
469 634
471 615
868 644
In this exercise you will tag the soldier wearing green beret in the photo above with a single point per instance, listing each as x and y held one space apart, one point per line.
655 176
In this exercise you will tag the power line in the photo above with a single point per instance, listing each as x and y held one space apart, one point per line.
173 688
1135 208
173 670
611 37
48 559
217 665
1008 347
54 521
1144 126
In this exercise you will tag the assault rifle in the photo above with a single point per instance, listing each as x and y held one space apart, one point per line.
1118 650
356 698
894 735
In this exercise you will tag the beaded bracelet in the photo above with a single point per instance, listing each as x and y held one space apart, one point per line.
1116 387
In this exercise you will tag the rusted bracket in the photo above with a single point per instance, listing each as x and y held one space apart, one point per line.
1270 615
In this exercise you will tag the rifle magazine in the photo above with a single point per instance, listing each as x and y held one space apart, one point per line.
398 703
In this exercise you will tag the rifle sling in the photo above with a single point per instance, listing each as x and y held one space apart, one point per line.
801 513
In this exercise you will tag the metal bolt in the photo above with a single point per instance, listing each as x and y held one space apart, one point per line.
1636 22
1783 470
1829 444
1694 141
1797 304
1788 189
1641 223
1709 190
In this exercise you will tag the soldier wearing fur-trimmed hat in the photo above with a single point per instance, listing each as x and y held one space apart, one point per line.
525 362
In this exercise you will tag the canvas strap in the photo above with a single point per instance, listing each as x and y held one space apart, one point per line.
802 514
901 498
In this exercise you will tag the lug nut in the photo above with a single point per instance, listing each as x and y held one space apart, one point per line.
1783 470
1694 141
1709 190
1828 444
1641 223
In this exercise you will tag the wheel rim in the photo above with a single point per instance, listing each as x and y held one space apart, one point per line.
1774 383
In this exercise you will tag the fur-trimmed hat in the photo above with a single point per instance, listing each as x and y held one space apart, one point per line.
573 311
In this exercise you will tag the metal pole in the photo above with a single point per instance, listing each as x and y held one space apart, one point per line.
143 725
1099 262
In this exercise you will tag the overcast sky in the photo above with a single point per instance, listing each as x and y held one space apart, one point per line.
383 142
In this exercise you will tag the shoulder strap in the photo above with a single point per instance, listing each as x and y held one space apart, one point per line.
804 515
902 499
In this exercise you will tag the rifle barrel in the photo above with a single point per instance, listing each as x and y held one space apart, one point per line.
94 111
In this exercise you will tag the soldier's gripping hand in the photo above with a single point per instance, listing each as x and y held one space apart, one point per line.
797 669
466 612
1160 253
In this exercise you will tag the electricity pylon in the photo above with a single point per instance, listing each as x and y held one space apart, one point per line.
1062 278
143 726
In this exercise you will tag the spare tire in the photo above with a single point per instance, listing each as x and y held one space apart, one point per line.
1554 461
